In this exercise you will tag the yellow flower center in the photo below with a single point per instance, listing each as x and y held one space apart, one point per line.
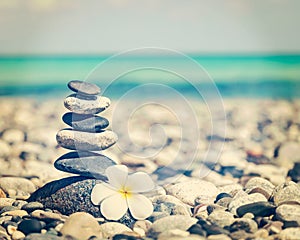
125 192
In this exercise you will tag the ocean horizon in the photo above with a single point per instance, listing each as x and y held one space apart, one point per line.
256 76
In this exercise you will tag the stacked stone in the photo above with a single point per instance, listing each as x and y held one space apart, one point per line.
87 134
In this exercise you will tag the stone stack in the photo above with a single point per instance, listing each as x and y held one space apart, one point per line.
87 134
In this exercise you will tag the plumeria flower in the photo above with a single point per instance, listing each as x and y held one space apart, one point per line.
122 192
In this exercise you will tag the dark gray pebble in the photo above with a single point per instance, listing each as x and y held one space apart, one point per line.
294 173
30 207
84 87
222 195
197 229
87 164
30 226
259 209
85 122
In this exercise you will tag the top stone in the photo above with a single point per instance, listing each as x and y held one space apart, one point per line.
84 87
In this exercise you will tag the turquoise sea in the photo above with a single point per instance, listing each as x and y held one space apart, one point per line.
258 76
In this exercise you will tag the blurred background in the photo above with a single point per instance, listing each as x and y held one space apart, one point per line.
249 48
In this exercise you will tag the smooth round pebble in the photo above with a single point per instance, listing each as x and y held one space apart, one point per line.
259 209
88 123
30 226
86 106
86 141
81 225
30 207
110 229
83 87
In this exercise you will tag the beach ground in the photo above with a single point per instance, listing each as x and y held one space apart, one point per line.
253 167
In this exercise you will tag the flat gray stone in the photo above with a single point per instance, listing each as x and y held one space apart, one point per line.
84 87
85 122
87 164
86 141
83 105
261 209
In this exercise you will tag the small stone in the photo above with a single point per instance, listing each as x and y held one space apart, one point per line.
170 234
2 194
11 229
221 218
4 219
273 227
197 229
294 173
286 193
13 136
45 215
288 154
245 224
79 105
231 189
189 191
17 235
259 209
110 229
243 200
28 226
4 202
292 233
289 214
5 149
218 237
143 224
241 234
84 87
30 207
171 222
18 212
85 141
87 164
222 195
88 123
81 225
17 183
224 202
261 234
259 185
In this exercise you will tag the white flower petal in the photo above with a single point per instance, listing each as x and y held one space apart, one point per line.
114 207
140 207
100 192
117 175
139 182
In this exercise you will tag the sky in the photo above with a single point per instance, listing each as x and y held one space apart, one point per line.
111 26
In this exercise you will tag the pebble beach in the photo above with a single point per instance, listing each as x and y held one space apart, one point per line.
249 191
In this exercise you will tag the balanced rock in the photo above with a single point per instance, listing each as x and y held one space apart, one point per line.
85 141
85 122
84 87
82 105
87 164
